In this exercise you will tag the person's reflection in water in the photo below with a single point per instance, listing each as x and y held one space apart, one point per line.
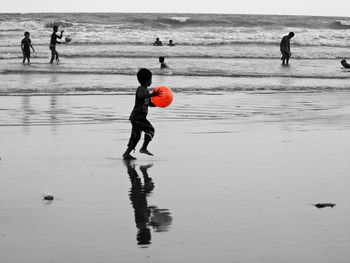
145 216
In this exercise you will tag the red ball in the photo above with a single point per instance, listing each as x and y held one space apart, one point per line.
165 98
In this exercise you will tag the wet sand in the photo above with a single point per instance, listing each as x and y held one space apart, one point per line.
233 179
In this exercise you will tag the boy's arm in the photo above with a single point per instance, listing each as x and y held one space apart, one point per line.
22 45
32 47
60 36
144 94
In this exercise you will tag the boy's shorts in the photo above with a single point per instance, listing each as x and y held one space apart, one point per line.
26 54
143 125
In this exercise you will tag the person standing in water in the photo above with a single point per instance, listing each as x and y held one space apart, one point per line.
26 44
285 48
53 42
157 42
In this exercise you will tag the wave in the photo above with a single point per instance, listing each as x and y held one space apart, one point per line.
59 24
194 89
203 73
341 24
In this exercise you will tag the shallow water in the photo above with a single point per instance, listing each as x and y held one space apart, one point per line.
234 176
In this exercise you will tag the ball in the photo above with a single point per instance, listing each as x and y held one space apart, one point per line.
165 98
68 39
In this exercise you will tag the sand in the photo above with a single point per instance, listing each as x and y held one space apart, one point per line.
236 175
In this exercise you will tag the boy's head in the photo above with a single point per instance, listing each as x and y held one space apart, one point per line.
26 34
291 34
55 28
170 41
157 39
144 76
161 59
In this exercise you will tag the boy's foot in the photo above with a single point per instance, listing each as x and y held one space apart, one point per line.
127 156
145 151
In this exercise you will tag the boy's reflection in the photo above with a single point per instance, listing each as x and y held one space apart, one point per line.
145 216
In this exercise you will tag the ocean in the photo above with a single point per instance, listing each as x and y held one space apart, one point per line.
213 52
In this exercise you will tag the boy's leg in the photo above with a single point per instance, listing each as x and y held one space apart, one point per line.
149 133
134 139
57 59
52 54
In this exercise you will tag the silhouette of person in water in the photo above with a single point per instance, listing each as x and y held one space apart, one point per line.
171 44
157 42
162 63
145 216
26 44
285 48
53 42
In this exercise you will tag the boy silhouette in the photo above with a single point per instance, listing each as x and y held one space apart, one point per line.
139 113
26 44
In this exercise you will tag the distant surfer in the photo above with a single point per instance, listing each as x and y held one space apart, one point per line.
157 42
162 63
26 44
171 44
345 64
53 42
285 48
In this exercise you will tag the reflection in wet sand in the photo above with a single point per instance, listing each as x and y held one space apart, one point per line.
145 216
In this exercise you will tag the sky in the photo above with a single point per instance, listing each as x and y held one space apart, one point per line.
282 7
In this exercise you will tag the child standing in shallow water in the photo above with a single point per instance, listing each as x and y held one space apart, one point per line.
26 44
139 113
53 42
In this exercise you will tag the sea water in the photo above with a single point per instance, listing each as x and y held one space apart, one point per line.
212 52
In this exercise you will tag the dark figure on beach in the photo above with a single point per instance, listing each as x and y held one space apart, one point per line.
53 42
162 63
345 64
145 216
26 44
171 44
139 113
157 42
285 48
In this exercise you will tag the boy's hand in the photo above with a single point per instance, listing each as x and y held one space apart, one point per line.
156 93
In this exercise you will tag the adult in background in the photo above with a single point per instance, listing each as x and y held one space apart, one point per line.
157 42
285 48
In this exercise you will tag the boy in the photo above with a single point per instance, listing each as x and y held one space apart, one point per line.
285 48
162 63
138 115
53 43
26 44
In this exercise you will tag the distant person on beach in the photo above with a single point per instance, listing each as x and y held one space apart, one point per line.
157 42
138 116
171 44
285 48
53 42
26 44
162 63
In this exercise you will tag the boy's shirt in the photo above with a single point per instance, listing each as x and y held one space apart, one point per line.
142 102
26 45
54 37
285 43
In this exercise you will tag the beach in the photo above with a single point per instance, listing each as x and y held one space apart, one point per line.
241 156
239 188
